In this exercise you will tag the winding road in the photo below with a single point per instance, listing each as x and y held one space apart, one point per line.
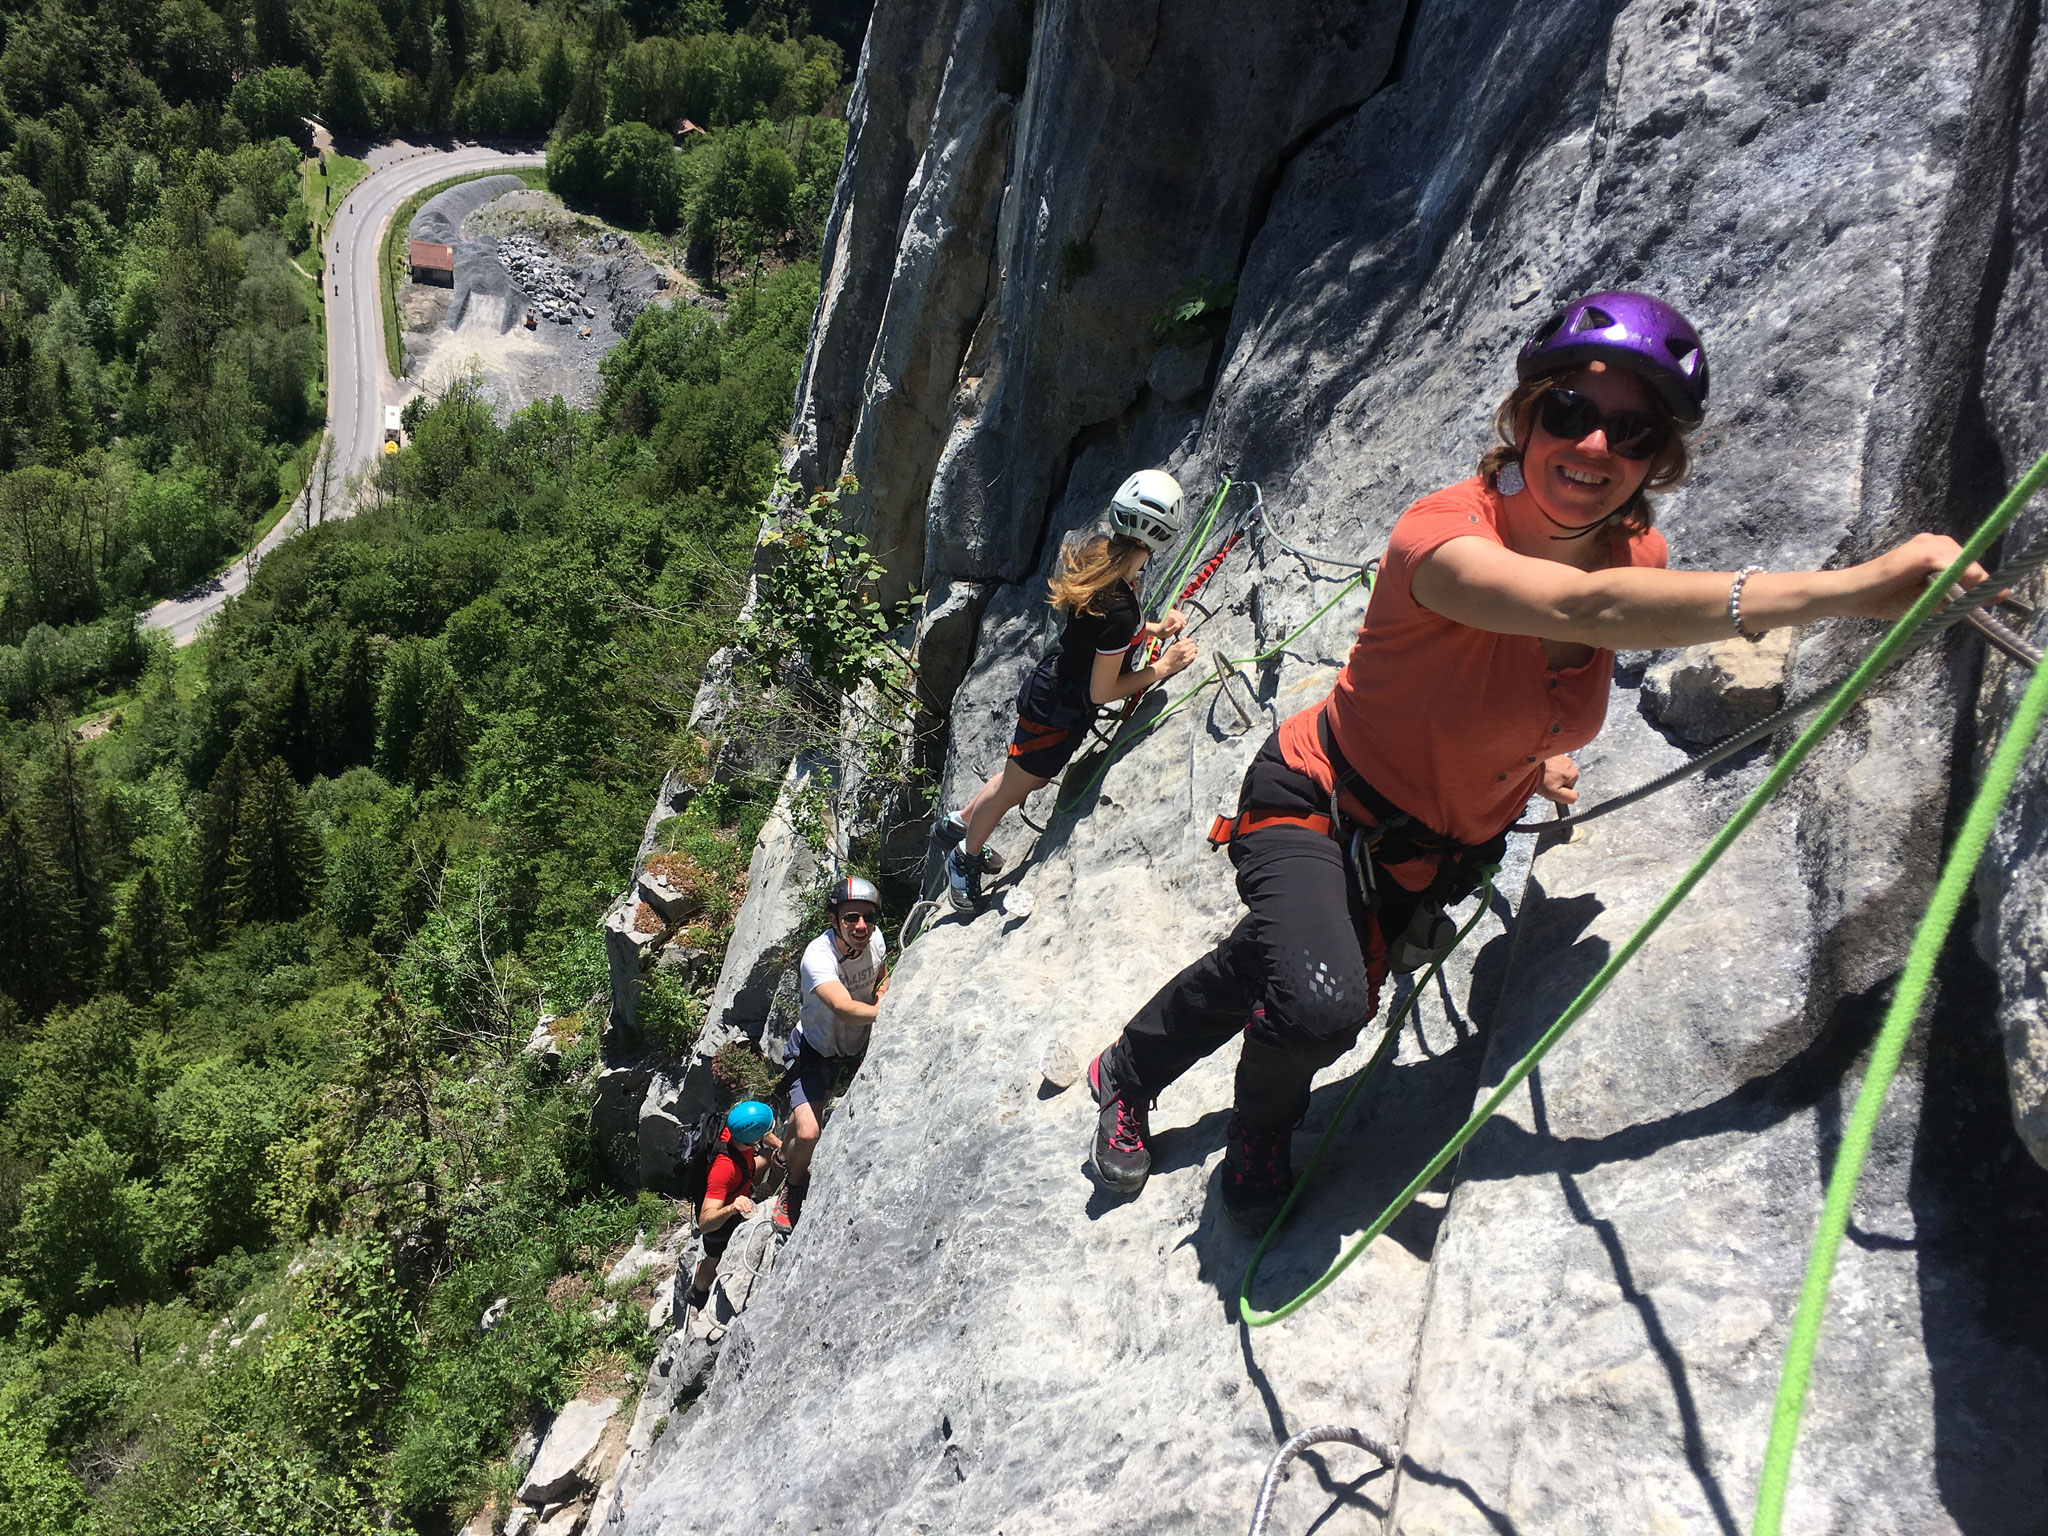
358 384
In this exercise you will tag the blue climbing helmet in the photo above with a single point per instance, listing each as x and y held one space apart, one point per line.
1634 331
749 1120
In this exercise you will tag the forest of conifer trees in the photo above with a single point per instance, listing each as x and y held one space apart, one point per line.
278 910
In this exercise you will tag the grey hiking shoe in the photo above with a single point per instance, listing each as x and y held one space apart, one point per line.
963 882
1123 1153
949 830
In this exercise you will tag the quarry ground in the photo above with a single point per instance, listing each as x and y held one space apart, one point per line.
477 326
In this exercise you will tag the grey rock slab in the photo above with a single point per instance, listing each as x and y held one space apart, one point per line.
1016 1339
1707 692
2013 880
660 1133
978 320
638 1260
563 1467
616 1102
766 936
1180 374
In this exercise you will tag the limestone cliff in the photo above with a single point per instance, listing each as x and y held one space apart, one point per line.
1581 1330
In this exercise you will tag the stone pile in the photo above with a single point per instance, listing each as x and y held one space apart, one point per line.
557 293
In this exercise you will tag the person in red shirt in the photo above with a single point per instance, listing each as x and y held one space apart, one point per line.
1484 659
728 1183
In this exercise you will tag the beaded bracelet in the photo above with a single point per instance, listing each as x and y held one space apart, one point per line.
1735 601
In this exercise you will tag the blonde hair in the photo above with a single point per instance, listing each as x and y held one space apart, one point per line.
1089 569
1511 422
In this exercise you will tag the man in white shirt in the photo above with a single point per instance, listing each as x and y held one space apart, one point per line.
841 982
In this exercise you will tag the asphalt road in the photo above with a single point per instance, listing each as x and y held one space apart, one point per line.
358 384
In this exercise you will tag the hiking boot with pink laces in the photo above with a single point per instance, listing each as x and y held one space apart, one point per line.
1258 1172
1123 1151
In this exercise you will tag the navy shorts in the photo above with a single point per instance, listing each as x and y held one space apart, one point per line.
718 1239
818 1076
1052 722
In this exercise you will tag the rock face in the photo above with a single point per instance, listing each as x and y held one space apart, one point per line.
2015 875
562 1469
1581 1329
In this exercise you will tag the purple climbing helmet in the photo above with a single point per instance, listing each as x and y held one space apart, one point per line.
1630 330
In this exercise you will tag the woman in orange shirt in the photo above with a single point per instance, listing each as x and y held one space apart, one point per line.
1485 658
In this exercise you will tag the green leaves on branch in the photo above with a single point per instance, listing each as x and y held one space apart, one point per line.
1200 312
815 601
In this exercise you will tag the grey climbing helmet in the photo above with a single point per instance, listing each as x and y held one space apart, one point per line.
1148 507
852 888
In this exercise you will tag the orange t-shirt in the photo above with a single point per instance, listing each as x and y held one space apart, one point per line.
1452 723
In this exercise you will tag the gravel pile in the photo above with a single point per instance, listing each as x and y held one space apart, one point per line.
557 293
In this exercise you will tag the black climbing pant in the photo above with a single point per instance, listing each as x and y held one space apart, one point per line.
1299 976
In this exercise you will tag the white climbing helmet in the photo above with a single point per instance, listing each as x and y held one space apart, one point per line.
1148 507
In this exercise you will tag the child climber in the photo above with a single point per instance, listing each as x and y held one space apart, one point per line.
728 1183
1094 587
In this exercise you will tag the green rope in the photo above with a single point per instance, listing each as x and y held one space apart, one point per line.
1062 805
1896 639
1884 1062
1190 551
1380 1057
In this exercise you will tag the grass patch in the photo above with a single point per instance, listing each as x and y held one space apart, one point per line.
292 476
390 262
325 185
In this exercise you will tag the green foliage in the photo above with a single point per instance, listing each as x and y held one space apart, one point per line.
216 1124
39 1494
147 941
1200 312
272 103
80 1072
762 188
670 1014
815 598
261 1001
507 105
740 1072
274 861
87 1233
629 174
345 1352
751 188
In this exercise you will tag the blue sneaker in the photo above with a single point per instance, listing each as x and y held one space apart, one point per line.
963 882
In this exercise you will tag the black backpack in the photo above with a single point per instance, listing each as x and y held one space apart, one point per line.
701 1144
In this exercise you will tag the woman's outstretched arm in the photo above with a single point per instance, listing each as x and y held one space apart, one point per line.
1475 581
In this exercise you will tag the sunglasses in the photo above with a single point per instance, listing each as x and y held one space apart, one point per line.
1568 415
865 919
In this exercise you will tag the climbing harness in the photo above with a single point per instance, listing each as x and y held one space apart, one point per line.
1896 640
1319 1434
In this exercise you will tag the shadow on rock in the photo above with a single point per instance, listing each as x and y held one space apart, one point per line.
1980 1221
1400 1120
1342 1495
